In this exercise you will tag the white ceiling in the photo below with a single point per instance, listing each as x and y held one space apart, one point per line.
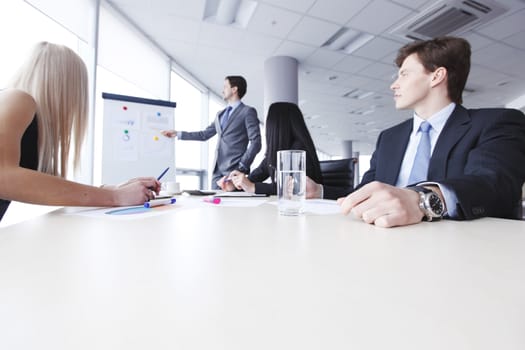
298 28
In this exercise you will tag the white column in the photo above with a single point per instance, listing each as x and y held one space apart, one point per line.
347 149
349 153
280 81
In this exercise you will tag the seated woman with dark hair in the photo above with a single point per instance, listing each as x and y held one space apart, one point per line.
285 130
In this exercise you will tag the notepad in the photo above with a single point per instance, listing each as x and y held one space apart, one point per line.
199 192
223 193
240 194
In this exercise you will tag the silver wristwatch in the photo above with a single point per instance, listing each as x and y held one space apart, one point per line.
429 202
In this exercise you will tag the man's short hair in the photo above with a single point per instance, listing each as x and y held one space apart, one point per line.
451 53
239 82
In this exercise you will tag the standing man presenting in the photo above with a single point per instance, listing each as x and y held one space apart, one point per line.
447 160
238 129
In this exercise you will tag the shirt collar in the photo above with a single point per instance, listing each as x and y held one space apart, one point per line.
437 120
235 104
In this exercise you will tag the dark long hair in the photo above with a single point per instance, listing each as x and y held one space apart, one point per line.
286 129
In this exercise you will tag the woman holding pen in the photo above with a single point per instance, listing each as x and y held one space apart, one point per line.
43 115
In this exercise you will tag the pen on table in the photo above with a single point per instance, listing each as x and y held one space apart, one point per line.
156 202
213 200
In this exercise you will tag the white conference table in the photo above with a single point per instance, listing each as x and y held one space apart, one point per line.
219 277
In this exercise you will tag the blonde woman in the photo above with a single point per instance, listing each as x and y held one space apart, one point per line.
43 114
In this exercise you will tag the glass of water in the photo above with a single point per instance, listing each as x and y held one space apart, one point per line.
291 181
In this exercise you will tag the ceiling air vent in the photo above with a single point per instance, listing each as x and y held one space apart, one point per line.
450 17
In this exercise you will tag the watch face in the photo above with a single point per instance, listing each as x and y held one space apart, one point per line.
436 205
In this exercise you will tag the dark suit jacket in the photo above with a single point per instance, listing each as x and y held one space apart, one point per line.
480 155
239 142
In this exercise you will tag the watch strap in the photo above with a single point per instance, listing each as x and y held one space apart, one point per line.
420 189
427 212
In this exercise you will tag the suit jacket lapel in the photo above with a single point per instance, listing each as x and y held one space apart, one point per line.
218 122
396 146
456 126
233 114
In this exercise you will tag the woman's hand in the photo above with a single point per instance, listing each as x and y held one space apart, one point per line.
226 184
136 191
313 189
241 182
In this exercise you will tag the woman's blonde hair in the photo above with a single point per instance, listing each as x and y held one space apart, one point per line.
56 77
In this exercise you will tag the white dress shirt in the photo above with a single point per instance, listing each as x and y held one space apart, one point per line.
437 121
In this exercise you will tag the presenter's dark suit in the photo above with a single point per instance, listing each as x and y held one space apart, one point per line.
238 143
480 155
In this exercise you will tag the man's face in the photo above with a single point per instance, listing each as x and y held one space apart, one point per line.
413 84
227 90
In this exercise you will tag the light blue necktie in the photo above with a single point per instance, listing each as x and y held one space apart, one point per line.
420 168
225 117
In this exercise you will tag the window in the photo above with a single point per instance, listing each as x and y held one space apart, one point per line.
190 156
21 38
188 117
121 50
364 165
216 105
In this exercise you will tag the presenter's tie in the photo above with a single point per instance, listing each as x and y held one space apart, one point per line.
225 117
420 168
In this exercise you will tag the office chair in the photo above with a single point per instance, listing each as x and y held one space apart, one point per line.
338 177
519 210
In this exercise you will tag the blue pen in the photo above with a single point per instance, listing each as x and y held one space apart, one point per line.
164 172
160 176
156 202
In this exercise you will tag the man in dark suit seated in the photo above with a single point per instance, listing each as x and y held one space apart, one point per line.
238 128
447 161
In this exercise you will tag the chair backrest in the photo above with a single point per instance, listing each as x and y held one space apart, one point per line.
521 210
339 173
521 206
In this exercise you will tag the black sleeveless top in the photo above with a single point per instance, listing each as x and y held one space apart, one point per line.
28 156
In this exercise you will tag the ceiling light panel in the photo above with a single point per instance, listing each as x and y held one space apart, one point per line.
230 12
347 40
